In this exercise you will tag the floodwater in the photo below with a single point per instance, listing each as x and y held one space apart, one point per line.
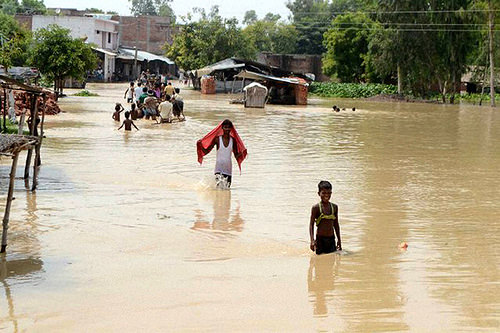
126 232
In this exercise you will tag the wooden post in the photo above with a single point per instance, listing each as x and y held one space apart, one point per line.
10 194
4 110
21 123
38 147
34 115
232 88
491 53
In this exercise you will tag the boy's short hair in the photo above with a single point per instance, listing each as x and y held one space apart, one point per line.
132 83
324 185
127 114
177 90
167 97
139 83
228 123
132 106
145 90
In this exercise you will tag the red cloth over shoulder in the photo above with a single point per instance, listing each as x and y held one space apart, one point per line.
207 140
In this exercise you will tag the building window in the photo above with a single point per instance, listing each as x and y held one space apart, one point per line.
109 37
98 32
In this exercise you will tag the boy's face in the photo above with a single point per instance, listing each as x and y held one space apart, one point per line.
325 195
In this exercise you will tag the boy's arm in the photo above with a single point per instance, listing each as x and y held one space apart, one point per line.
121 108
125 95
121 125
336 227
209 148
314 213
135 126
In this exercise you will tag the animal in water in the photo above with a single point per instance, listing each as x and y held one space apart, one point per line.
336 108
343 109
403 245
353 109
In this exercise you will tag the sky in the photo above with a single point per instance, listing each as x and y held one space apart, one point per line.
227 8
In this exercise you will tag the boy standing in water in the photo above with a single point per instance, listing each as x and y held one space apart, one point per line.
128 123
227 141
325 216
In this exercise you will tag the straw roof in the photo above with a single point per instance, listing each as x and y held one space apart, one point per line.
11 144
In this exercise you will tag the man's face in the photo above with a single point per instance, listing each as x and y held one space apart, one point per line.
226 128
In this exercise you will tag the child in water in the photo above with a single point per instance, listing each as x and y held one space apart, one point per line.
128 123
325 216
118 109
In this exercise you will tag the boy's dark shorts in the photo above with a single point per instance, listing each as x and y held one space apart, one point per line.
130 100
325 244
220 176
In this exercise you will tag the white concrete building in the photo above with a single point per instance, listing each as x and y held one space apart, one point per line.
101 32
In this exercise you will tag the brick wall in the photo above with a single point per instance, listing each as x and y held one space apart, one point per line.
25 21
297 63
149 33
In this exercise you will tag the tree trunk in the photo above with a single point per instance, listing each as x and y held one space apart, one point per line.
400 80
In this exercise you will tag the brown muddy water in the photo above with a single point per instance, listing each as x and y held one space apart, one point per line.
126 232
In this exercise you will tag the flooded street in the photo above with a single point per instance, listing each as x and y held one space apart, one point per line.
126 232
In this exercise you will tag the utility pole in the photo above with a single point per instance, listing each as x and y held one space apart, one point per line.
136 71
492 62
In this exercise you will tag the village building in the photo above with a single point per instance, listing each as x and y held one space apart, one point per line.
115 39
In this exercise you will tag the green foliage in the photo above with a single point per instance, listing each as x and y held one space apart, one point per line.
28 7
94 10
14 42
250 17
85 93
210 39
57 55
346 43
269 35
10 128
351 90
152 8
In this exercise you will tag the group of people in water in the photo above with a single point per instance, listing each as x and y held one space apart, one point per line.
151 100
167 103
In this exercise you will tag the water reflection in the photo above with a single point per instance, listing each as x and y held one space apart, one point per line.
14 270
222 219
320 281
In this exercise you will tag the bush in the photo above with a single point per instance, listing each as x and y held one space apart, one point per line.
351 90
85 93
11 128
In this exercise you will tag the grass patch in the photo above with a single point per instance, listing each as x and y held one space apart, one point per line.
85 93
11 128
351 90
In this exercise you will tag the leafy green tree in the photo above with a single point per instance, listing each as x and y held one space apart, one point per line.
9 7
32 7
269 35
152 8
210 39
57 55
424 43
250 17
346 44
94 10
14 42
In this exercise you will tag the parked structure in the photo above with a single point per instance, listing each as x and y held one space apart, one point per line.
233 74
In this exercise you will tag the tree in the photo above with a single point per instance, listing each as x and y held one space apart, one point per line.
14 42
32 7
152 8
94 10
210 39
250 17
269 35
346 44
57 55
9 7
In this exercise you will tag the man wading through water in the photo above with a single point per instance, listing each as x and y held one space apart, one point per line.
227 140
